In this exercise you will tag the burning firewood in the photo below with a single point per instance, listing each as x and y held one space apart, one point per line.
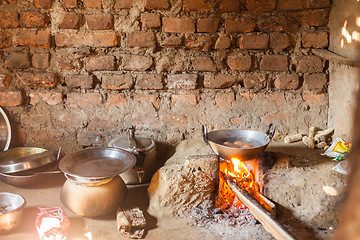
259 212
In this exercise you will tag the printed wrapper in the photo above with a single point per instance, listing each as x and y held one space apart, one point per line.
52 224
338 149
131 223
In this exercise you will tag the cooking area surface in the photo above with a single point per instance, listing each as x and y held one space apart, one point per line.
284 177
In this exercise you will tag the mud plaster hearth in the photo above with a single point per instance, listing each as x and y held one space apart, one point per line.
294 178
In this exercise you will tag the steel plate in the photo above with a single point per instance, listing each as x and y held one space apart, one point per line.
5 131
97 163
24 158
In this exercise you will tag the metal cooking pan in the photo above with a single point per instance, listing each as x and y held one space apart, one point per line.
96 164
258 140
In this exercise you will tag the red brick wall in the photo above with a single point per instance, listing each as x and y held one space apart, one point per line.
75 73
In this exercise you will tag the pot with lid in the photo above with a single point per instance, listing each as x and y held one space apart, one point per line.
144 149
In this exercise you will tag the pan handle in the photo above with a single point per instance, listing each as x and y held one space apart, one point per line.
204 133
271 125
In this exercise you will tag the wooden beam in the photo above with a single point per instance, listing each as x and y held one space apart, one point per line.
259 212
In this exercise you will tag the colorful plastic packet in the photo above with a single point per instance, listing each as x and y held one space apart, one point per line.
338 149
131 222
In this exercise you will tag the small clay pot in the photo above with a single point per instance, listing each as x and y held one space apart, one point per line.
93 201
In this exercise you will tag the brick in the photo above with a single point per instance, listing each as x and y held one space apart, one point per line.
65 65
196 5
309 64
240 25
260 5
71 120
239 62
18 139
36 120
205 64
70 4
107 123
140 120
277 97
88 138
218 80
292 4
141 39
222 42
50 98
32 20
9 20
17 60
200 42
172 41
5 39
174 120
150 20
99 21
316 18
274 63
237 120
157 4
278 117
34 38
178 25
106 39
319 3
315 40
192 99
117 82
46 136
225 100
33 79
83 99
182 81
230 6
254 41
40 60
123 4
279 41
149 82
287 81
136 63
209 25
43 3
255 81
11 99
318 99
115 100
315 82
92 3
153 99
102 63
165 64
79 81
5 80
276 23
70 21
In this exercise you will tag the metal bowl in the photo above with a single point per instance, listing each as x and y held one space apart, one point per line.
11 210
5 131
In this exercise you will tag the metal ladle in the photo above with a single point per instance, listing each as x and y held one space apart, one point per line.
139 158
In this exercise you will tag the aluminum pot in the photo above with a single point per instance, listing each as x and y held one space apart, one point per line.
144 149
258 140
11 211
95 200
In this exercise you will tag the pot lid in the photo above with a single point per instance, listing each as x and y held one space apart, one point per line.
142 143
97 163
24 158
5 131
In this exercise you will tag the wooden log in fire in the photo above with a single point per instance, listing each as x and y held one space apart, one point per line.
259 212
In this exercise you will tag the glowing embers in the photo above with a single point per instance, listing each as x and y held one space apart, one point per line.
242 174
